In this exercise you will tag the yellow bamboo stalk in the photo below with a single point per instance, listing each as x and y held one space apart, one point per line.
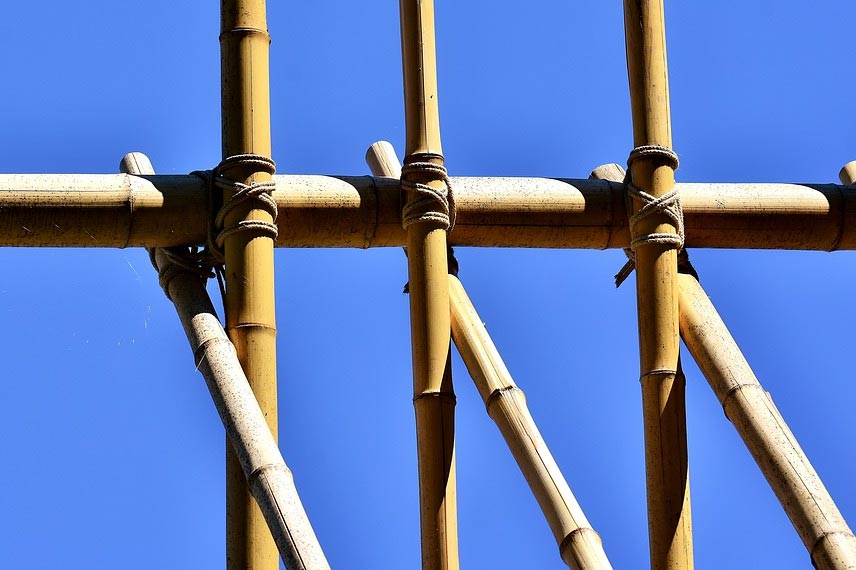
95 210
434 398
667 474
249 304
806 501
268 477
579 545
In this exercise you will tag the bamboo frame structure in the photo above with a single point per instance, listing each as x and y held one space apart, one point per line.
579 544
249 303
806 501
664 413
268 478
433 395
141 209
117 210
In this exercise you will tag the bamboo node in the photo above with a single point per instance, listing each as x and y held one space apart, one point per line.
427 204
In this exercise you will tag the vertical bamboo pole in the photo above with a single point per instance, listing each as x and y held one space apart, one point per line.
798 487
664 415
250 314
434 398
579 544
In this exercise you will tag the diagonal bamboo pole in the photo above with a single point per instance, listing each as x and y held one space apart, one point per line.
269 479
667 473
433 395
98 210
249 303
798 487
579 544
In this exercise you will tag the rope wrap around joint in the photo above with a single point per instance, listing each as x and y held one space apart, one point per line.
426 203
258 192
667 205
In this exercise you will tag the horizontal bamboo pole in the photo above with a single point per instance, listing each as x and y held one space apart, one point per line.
797 485
579 544
117 210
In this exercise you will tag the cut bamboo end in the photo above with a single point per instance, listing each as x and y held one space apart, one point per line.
382 160
847 175
796 484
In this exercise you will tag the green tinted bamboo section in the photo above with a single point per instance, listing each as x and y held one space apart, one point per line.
579 545
112 210
433 396
249 303
798 487
664 415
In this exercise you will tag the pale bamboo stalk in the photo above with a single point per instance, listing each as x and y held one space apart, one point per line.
433 395
269 479
249 303
664 416
798 487
848 173
579 545
71 210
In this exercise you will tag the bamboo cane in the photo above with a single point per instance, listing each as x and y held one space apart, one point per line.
667 474
269 479
806 501
579 545
848 173
433 395
90 210
249 303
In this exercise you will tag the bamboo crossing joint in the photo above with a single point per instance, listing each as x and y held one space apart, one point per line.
243 211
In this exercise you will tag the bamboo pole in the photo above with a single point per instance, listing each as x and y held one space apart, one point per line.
93 210
848 173
433 395
667 473
268 477
798 487
579 545
249 303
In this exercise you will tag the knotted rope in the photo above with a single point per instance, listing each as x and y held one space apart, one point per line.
258 192
427 204
668 205
181 260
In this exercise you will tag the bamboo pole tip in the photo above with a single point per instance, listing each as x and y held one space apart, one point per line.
847 175
382 160
136 163
612 172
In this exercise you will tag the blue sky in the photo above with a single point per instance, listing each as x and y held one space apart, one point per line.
113 453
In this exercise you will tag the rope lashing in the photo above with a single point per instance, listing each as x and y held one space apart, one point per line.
427 204
668 205
259 192
179 261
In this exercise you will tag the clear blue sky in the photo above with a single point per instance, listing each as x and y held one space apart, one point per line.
113 453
